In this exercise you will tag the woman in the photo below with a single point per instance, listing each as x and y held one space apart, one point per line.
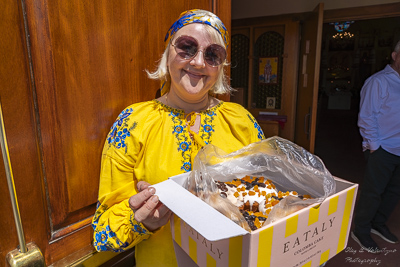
153 140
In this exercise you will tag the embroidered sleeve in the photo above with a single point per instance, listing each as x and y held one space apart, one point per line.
116 229
114 225
257 127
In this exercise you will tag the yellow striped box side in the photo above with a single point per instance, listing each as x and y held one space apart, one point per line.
210 261
193 249
235 251
346 220
291 225
265 247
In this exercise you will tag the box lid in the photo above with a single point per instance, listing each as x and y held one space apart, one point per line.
207 221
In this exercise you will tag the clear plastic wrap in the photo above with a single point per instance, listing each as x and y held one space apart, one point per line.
289 166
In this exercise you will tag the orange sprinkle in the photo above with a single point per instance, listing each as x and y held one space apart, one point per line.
257 223
252 193
247 179
236 182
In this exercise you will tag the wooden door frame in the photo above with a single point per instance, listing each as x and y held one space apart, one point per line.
289 84
362 13
333 15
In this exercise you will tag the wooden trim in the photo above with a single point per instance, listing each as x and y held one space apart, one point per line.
332 15
320 11
360 13
251 62
267 21
70 229
222 9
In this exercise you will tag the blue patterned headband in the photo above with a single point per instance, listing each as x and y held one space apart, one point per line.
198 16
194 16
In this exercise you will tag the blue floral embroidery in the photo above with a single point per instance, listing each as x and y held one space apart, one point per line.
187 166
102 242
182 136
208 127
178 129
211 113
99 210
119 131
257 126
103 237
137 228
174 114
184 146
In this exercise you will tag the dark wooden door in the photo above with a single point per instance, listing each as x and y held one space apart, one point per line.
67 69
307 90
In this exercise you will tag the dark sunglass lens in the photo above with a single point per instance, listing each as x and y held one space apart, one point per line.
215 55
186 47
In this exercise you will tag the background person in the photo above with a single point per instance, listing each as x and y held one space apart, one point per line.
379 125
151 141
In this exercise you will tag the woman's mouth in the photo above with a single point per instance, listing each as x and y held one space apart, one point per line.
194 75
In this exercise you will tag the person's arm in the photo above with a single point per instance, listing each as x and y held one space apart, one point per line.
370 103
127 210
114 224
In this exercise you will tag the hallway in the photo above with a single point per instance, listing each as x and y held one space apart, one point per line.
338 144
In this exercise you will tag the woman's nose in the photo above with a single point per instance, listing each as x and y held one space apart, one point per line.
198 59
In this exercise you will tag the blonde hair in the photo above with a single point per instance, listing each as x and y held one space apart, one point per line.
221 86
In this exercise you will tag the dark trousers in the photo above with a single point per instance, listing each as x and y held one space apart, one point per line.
379 192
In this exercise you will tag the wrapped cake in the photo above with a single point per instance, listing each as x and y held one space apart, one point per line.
260 183
255 197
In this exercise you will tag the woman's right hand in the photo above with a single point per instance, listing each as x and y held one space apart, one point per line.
147 208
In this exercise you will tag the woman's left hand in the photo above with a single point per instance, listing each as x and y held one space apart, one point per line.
147 208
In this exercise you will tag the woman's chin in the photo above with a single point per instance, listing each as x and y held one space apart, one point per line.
195 90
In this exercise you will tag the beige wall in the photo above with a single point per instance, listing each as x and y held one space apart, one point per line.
259 8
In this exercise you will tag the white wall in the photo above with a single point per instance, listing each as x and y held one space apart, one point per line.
259 8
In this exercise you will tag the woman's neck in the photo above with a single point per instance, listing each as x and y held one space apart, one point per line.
197 105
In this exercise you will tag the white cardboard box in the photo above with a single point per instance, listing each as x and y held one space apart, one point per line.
309 237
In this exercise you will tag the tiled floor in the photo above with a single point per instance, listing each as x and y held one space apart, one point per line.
338 144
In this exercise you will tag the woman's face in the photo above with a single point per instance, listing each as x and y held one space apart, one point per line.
192 78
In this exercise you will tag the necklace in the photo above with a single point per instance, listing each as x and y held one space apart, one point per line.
208 105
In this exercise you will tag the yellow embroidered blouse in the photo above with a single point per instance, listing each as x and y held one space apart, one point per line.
150 142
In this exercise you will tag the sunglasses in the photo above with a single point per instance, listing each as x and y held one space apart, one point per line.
187 48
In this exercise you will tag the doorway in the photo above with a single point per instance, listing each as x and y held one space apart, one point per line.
351 52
